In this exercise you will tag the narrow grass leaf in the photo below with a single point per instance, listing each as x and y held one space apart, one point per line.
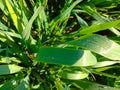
104 64
63 15
99 44
27 31
43 19
3 27
81 22
12 34
24 85
9 69
87 85
19 26
99 27
24 11
101 19
91 10
9 85
65 56
101 69
2 7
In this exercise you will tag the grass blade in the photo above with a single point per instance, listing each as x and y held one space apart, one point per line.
27 31
99 27
19 26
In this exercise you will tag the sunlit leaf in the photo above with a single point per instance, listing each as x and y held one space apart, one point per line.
99 44
9 69
3 27
65 56
19 26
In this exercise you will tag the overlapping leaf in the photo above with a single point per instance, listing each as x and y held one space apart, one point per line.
99 44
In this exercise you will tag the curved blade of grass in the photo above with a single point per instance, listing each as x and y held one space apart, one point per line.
81 22
101 69
87 85
73 75
99 44
9 69
19 26
99 27
64 56
104 64
26 32
63 15
89 9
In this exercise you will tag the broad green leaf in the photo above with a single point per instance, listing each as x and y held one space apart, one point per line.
99 27
73 75
9 69
65 56
99 44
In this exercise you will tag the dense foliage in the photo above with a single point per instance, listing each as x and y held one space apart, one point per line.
59 44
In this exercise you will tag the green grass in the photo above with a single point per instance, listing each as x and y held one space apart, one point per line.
59 45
